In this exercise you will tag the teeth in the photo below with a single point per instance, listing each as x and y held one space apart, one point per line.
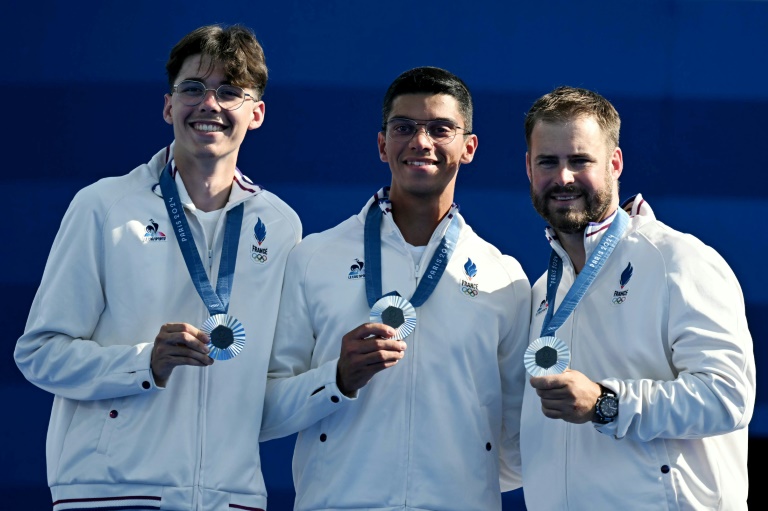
420 163
208 127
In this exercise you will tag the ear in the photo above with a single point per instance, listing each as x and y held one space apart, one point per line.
167 109
528 165
259 109
382 141
617 163
470 146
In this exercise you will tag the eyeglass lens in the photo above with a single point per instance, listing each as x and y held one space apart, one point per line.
193 93
441 132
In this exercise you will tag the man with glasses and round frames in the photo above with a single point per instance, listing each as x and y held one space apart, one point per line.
397 355
154 320
229 97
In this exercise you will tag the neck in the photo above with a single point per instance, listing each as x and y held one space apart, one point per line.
208 185
417 219
573 244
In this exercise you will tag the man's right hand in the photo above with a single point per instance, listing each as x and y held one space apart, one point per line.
365 351
178 344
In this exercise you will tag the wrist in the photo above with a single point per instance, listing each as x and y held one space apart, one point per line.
606 406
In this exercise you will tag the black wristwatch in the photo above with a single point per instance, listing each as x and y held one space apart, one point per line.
606 407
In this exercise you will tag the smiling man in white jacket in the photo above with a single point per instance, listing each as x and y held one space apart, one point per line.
653 412
142 416
413 404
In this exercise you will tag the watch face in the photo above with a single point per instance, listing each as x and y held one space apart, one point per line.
609 407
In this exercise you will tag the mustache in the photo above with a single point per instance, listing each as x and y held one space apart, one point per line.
571 188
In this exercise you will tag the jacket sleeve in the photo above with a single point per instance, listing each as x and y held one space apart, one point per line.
513 376
711 354
297 395
55 352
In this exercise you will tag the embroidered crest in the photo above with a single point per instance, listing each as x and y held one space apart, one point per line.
543 306
620 295
467 286
259 253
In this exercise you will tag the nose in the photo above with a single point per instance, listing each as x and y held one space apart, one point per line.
210 100
564 175
421 138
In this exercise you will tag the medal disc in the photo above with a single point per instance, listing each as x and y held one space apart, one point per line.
397 312
546 356
226 334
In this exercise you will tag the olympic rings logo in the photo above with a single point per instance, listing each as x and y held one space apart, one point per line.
469 291
259 258
619 300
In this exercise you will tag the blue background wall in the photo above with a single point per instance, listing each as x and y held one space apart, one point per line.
82 95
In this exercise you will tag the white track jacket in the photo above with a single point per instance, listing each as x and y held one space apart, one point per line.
432 432
663 325
114 276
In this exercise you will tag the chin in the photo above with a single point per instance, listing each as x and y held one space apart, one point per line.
566 220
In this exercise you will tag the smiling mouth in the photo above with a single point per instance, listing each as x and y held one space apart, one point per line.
420 163
207 128
564 197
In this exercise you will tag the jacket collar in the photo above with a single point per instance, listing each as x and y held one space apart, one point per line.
242 186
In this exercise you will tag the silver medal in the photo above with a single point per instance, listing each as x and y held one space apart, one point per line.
546 356
226 334
397 312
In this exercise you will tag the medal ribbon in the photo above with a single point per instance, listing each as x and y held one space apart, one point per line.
584 279
373 286
217 302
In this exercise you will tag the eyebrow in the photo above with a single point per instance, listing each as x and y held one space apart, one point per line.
202 80
570 155
401 117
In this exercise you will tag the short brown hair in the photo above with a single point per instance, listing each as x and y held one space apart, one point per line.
235 47
566 103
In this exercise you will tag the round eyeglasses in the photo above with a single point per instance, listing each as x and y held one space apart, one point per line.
440 132
229 97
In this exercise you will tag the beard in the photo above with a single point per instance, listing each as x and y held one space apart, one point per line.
572 219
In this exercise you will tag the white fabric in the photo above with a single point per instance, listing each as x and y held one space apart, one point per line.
208 219
106 291
678 353
434 431
416 252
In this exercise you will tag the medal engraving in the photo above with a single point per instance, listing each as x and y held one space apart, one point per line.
546 356
397 312
226 334
392 316
222 337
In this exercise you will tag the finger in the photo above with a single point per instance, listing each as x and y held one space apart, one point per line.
379 330
373 344
197 358
382 356
547 382
189 358
199 334
175 328
188 341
